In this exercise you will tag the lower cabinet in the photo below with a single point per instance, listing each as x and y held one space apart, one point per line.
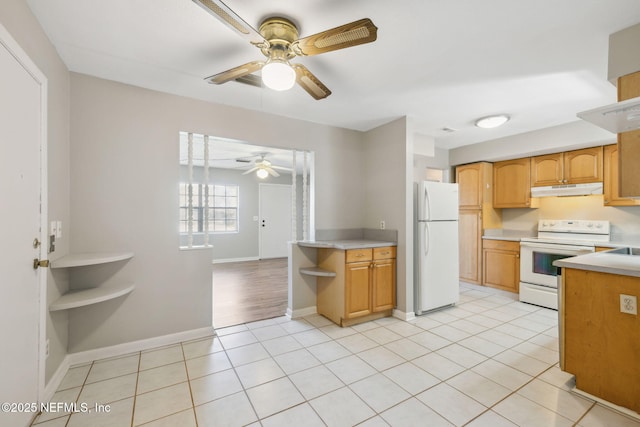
363 288
501 264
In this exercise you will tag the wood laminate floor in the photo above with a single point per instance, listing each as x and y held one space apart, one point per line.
247 291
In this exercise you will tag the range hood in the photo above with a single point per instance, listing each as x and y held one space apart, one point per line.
567 190
623 116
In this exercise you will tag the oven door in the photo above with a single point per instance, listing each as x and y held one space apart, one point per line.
536 261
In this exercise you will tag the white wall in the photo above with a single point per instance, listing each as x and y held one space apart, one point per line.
625 221
388 159
124 175
17 18
570 136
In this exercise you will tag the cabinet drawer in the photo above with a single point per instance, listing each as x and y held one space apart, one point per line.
386 252
504 245
355 255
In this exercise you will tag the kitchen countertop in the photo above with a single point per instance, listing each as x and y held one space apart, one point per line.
506 234
604 262
345 244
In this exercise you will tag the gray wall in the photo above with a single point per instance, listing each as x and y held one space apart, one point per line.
244 243
388 159
17 18
124 175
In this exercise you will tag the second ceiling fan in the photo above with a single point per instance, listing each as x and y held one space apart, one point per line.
278 40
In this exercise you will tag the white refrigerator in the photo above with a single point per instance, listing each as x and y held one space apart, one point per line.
436 248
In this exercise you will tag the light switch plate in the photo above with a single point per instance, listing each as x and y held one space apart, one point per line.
628 304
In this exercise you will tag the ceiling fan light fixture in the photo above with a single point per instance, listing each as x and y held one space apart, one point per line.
491 122
277 74
262 173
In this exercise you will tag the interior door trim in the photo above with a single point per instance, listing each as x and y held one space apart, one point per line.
23 59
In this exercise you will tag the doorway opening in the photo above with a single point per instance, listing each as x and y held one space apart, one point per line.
245 202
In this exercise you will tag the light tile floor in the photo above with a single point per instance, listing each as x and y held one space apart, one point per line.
489 361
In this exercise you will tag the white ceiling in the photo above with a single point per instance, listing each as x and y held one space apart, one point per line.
444 63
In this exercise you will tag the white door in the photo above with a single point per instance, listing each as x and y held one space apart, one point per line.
22 124
275 220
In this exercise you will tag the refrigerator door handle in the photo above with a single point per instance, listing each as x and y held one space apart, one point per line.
426 238
427 205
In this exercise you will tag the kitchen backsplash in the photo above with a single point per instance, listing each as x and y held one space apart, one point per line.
625 221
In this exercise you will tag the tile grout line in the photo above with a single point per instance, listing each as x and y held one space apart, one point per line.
135 391
186 369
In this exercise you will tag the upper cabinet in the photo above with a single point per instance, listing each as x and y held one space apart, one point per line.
474 184
512 183
571 167
581 166
547 170
629 142
611 188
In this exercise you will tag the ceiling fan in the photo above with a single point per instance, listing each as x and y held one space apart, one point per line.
278 40
264 168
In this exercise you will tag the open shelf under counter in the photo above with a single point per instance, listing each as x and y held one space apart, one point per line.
90 258
80 298
316 271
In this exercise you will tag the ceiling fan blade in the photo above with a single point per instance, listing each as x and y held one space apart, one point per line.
250 170
272 172
231 19
281 168
310 83
236 72
353 34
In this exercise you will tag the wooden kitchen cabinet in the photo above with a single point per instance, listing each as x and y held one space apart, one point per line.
629 142
547 170
474 184
611 187
512 183
570 167
598 342
364 287
470 245
475 187
501 264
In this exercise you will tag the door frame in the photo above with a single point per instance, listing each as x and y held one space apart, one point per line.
12 46
260 187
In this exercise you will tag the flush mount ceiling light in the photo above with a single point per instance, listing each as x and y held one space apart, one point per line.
490 122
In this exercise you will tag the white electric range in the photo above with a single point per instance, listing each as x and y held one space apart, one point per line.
556 239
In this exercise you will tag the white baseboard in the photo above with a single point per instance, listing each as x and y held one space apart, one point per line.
301 312
118 350
404 316
225 260
55 381
625 411
140 345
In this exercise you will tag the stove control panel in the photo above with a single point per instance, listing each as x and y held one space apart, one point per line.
577 226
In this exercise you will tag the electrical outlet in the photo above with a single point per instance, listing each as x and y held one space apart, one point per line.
382 225
46 349
628 304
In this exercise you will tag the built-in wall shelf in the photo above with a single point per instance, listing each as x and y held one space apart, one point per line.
80 298
88 296
316 271
90 258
